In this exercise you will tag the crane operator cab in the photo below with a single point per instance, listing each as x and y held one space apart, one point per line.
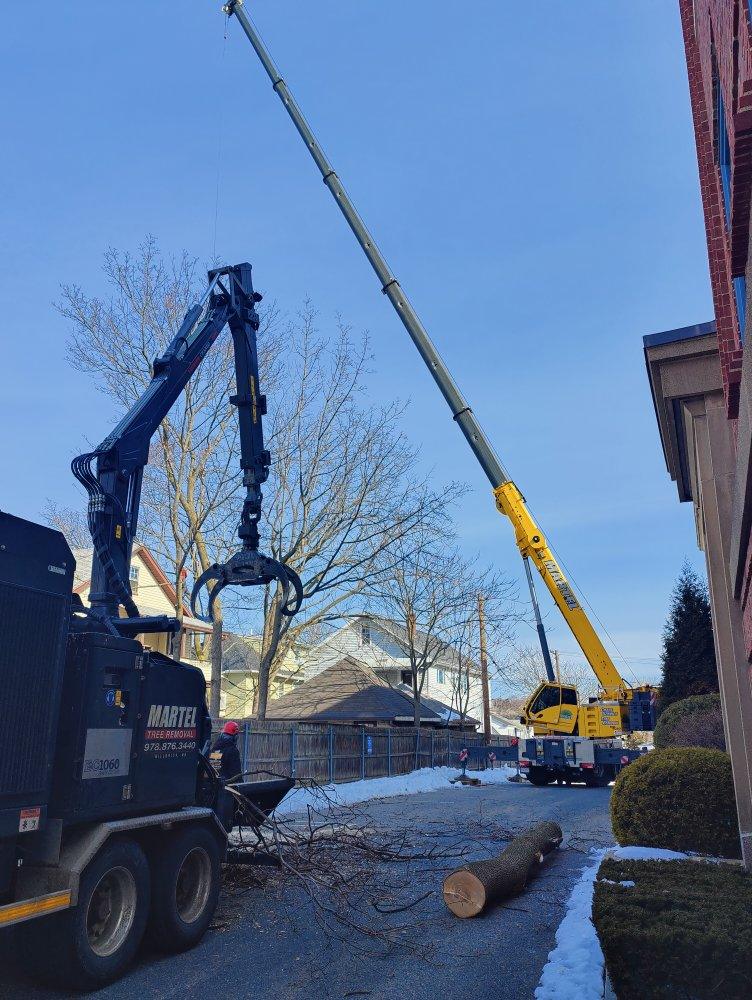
550 706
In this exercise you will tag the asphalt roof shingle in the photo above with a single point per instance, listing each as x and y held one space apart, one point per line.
347 691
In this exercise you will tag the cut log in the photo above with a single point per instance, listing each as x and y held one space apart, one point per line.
471 888
465 779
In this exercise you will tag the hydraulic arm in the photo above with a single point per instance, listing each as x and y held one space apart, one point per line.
509 500
112 474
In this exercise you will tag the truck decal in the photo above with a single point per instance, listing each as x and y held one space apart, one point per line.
107 753
561 584
171 717
171 731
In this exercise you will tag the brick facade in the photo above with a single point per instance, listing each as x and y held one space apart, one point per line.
718 43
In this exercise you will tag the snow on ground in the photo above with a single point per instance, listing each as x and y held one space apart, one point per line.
427 779
574 970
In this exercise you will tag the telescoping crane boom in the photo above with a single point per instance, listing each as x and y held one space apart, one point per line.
553 707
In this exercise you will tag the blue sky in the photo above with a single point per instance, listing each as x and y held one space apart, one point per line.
528 169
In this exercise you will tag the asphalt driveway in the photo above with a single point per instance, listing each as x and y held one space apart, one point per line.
266 941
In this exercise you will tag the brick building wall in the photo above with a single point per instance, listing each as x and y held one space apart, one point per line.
719 64
718 43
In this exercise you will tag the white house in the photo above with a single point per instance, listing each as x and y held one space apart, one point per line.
384 646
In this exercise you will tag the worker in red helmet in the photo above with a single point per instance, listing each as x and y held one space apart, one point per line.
225 748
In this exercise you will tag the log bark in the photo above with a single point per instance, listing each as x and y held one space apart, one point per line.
471 888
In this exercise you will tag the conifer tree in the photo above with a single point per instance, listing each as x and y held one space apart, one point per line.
688 657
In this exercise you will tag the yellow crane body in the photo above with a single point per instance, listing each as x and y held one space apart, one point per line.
554 708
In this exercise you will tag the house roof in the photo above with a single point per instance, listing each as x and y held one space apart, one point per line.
239 654
448 714
347 691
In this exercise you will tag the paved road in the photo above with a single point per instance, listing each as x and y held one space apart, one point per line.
267 943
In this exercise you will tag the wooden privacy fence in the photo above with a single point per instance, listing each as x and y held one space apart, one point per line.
334 753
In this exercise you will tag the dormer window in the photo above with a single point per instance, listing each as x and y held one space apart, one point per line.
365 635
134 579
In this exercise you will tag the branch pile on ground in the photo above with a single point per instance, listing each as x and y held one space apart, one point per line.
468 890
359 878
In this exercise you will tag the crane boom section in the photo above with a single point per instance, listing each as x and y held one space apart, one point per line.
532 544
508 498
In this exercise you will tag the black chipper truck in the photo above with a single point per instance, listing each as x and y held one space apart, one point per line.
112 823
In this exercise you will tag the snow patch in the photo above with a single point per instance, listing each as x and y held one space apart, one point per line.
574 970
646 854
427 779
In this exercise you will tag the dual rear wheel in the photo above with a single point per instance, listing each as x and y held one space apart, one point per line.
123 896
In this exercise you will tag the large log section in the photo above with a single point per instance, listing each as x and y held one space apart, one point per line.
468 890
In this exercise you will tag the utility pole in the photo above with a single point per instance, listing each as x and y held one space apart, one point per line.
484 670
556 661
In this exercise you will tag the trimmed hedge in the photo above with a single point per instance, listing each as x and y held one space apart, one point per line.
681 798
684 929
692 722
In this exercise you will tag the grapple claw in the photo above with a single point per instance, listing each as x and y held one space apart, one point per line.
248 568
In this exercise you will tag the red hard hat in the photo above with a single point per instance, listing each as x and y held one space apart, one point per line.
231 729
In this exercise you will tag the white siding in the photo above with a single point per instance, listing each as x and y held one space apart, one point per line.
385 656
149 597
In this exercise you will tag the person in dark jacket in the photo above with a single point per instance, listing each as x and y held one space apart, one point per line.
226 745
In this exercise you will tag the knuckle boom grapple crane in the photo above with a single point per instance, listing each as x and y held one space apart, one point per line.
112 823
554 709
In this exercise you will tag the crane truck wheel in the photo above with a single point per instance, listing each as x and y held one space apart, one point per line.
185 882
539 776
93 943
600 776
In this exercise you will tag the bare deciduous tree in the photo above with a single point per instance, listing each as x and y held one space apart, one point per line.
342 498
342 491
71 522
431 592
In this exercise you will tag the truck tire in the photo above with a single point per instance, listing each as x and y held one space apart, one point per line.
185 881
599 777
93 943
539 776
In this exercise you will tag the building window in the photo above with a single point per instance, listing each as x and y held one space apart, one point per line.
740 293
365 635
134 579
723 158
723 150
407 677
440 676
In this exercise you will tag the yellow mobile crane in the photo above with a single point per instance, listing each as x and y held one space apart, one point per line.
554 709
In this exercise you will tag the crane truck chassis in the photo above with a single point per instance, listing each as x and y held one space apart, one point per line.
113 824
